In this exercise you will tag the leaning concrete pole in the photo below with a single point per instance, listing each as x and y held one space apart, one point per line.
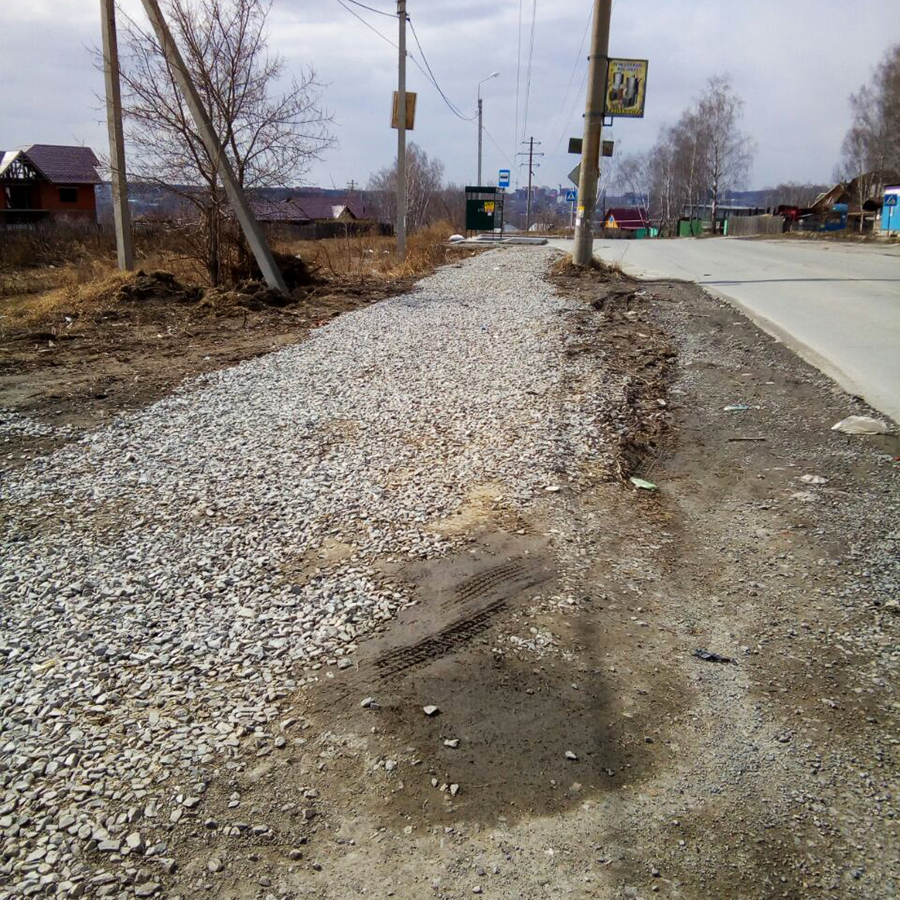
401 134
255 237
593 126
121 212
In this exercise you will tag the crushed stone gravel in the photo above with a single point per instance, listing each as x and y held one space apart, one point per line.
151 612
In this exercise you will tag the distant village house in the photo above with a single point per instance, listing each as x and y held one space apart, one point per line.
47 182
317 216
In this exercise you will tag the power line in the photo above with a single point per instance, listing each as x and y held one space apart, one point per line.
518 81
429 75
491 138
352 12
530 65
380 12
578 57
575 103
434 80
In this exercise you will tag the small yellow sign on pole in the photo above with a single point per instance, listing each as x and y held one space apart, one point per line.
410 111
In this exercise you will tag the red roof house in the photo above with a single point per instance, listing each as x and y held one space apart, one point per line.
48 182
628 218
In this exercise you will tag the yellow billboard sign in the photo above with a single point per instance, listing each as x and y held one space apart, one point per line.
626 88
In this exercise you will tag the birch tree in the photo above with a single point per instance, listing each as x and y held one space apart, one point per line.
726 150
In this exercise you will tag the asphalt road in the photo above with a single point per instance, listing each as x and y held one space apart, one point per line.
837 305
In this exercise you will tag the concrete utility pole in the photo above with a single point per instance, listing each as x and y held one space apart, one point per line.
479 138
480 122
121 212
598 63
255 237
531 155
401 135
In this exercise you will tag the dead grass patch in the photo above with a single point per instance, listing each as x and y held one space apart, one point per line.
565 267
374 257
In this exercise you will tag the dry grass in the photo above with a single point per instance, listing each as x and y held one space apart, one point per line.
47 276
371 256
44 278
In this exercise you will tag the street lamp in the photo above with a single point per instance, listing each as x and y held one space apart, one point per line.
480 83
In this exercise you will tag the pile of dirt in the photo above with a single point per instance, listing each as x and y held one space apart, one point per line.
294 270
616 324
145 287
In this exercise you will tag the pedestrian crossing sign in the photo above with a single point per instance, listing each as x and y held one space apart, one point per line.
571 196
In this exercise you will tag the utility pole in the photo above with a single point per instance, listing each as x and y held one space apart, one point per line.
252 232
481 122
531 155
598 64
121 212
401 135
352 187
479 141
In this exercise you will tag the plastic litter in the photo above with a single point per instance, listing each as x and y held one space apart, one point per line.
862 425
642 484
737 407
814 479
708 656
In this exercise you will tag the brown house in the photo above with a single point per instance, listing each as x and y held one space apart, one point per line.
48 182
315 216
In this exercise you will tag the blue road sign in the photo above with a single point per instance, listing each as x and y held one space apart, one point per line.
504 178
890 200
571 196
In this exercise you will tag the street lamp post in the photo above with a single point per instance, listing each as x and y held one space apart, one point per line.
480 83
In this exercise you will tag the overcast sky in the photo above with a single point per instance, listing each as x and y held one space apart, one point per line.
794 63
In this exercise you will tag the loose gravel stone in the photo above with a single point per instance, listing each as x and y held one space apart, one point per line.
151 620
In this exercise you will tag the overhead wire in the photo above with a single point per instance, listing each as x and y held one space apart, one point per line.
452 107
499 148
380 12
530 68
575 103
518 82
578 58
352 12
427 71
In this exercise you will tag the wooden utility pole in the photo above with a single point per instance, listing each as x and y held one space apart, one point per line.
118 175
598 63
252 232
401 135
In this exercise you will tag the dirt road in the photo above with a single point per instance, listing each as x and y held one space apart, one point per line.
836 304
521 712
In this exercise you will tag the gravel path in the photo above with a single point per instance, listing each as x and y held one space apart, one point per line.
153 615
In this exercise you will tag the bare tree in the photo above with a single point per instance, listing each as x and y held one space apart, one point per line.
665 191
424 178
271 138
792 193
871 148
634 176
452 203
727 151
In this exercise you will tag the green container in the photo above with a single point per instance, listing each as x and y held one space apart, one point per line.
481 214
